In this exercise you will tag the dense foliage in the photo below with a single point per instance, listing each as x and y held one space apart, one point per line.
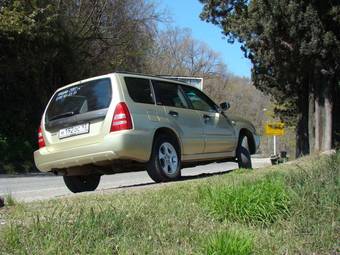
47 44
294 47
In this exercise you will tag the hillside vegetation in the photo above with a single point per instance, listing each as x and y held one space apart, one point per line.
287 209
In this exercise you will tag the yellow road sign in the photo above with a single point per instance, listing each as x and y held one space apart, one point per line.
274 128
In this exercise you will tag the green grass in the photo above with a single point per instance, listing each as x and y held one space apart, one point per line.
229 243
9 200
81 231
262 201
286 209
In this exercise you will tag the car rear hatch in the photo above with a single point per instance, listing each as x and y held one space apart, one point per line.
76 115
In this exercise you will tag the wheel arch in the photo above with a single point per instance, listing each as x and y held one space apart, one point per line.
169 132
250 138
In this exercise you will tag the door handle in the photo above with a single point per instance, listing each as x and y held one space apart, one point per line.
206 117
173 113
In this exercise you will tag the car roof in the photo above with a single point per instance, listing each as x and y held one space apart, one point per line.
123 73
155 77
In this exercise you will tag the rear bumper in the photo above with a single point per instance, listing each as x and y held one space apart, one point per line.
132 145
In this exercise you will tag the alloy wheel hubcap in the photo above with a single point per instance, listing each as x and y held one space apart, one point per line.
168 158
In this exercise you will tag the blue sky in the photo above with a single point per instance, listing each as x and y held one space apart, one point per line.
185 14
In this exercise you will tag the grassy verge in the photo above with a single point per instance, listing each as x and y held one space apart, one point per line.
262 201
289 209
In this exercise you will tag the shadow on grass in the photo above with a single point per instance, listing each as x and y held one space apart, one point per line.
183 178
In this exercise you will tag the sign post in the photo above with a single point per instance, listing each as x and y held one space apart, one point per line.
274 129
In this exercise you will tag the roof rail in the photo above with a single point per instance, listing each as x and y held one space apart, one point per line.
166 77
172 78
136 73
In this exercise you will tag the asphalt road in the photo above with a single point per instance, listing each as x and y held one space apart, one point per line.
31 188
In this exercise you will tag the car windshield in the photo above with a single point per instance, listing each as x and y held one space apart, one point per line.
78 99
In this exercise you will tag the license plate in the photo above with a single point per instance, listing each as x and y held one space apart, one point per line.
73 131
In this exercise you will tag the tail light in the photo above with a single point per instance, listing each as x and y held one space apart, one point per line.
41 140
121 118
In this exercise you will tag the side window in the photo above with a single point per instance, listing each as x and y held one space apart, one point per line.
139 90
169 94
199 100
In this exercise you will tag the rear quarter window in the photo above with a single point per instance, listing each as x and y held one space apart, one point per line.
139 90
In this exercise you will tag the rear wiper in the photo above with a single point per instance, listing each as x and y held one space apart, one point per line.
59 116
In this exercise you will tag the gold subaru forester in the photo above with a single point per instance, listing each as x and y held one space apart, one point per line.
124 122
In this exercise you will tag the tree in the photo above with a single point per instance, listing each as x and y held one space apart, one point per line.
176 52
292 45
45 44
111 35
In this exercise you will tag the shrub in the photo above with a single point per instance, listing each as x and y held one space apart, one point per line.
16 155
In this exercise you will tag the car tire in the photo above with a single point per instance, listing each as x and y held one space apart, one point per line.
81 183
243 154
165 161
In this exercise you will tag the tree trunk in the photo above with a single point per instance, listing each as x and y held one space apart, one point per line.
311 122
318 107
327 139
302 139
336 118
318 133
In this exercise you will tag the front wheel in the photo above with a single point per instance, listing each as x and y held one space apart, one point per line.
82 183
243 154
165 161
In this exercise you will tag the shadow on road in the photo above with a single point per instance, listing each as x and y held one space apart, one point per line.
183 178
204 175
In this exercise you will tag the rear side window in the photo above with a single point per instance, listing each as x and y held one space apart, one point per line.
169 94
139 90
85 97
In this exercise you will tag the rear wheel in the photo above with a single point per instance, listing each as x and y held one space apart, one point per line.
243 154
81 183
165 161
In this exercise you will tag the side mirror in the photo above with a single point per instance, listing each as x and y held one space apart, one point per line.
224 106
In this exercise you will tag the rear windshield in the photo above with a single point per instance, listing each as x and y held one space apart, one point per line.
82 98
